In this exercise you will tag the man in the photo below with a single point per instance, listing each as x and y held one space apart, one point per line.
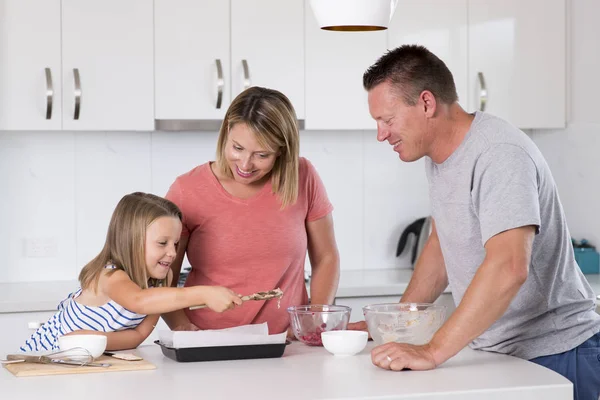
499 237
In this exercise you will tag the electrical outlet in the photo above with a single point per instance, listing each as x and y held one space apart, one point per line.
40 247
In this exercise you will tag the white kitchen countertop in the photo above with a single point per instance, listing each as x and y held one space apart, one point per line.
45 296
303 373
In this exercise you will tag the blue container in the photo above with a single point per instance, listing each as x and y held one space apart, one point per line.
588 260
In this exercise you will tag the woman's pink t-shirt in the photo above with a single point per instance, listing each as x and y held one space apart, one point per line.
248 245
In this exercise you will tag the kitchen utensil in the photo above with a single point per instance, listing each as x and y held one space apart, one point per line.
309 321
76 356
123 356
421 228
412 323
271 294
221 353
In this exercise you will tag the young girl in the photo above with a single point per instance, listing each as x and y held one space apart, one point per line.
126 287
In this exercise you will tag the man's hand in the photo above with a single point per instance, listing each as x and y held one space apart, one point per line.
290 334
186 327
359 326
399 356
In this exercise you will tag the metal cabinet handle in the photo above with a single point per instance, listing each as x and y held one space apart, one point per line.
220 83
483 94
49 93
246 74
77 93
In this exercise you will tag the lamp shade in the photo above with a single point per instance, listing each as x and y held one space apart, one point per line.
353 15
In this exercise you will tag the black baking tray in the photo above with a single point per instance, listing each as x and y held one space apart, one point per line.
222 353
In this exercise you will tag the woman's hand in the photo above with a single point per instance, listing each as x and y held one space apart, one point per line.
219 298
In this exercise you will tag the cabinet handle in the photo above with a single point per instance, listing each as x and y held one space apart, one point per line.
49 93
246 74
483 94
77 93
220 83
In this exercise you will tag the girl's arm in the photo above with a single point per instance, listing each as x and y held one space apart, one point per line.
125 339
324 260
121 289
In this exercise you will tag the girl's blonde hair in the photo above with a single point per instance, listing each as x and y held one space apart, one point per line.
270 115
126 239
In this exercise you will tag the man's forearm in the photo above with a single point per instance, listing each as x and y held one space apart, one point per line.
485 300
429 278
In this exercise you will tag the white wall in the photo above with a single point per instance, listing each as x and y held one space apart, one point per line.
574 153
61 188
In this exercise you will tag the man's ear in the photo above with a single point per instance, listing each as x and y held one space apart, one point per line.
429 103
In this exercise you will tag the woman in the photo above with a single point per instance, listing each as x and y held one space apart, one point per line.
251 215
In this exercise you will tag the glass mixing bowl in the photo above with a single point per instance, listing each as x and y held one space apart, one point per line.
309 321
413 323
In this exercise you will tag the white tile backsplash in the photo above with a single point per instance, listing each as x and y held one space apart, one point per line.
61 189
339 160
396 193
37 212
108 165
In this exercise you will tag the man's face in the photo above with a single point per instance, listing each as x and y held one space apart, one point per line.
402 126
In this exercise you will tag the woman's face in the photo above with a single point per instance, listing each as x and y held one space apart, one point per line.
248 161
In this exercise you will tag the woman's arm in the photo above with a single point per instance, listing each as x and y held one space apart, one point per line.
324 260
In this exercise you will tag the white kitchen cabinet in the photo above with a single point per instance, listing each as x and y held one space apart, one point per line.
517 60
357 303
269 36
208 47
16 328
107 65
335 64
87 57
440 26
30 71
192 59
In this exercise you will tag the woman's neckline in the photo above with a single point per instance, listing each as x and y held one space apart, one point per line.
266 188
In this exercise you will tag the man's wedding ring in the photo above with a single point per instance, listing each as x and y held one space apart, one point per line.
389 359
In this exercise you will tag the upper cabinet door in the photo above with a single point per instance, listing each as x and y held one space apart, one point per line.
267 47
30 74
108 81
439 25
192 63
517 60
335 64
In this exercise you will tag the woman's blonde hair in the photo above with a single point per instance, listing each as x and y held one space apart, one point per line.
126 239
270 115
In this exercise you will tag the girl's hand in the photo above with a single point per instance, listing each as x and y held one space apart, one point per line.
221 299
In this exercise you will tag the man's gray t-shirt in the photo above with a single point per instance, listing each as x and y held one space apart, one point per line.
497 180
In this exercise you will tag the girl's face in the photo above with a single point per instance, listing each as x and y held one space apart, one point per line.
248 161
162 238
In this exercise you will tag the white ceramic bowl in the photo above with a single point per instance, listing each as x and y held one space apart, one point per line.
344 343
95 344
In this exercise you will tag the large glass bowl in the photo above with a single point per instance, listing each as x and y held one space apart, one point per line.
413 323
309 321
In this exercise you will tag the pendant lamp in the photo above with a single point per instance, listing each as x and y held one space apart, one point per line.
353 15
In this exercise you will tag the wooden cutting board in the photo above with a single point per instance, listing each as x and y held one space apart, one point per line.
31 369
